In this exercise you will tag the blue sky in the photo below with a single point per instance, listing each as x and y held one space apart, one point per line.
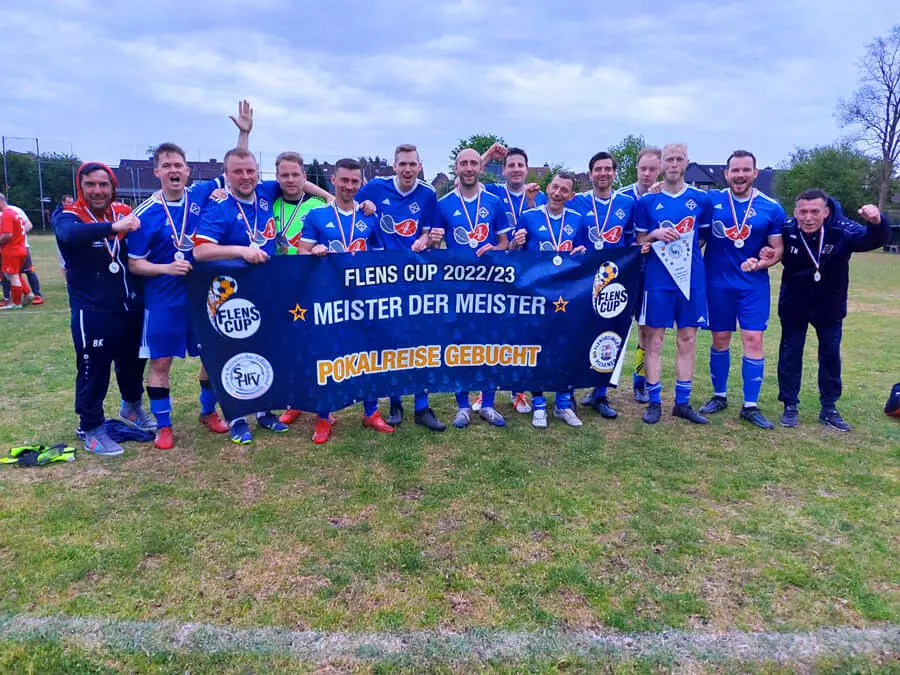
332 79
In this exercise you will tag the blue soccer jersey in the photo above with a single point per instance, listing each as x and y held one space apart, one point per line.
402 217
546 232
340 231
609 222
163 224
472 223
740 228
235 222
514 203
689 211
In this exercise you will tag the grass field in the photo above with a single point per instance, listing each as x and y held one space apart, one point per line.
616 527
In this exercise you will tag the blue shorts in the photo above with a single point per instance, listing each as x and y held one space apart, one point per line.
728 306
167 333
663 309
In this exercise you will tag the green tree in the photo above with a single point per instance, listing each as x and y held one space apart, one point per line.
843 172
626 152
874 108
315 174
547 178
479 142
23 188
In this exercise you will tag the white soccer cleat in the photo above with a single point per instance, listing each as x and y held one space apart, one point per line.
568 416
520 403
539 419
476 406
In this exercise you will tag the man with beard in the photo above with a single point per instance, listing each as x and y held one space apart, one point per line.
474 220
342 227
241 226
737 281
553 227
679 216
818 243
407 213
609 223
105 302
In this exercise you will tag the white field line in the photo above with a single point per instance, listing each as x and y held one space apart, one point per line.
476 645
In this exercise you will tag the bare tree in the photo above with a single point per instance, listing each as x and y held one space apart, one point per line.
875 107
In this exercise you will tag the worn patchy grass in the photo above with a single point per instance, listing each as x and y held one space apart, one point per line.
616 525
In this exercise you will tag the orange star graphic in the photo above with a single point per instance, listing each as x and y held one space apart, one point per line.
561 304
298 312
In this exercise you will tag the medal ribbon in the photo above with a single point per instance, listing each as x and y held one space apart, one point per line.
341 225
178 238
286 226
740 227
602 228
112 250
816 259
466 210
251 235
518 215
562 226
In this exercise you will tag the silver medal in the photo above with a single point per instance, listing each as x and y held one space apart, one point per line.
557 260
179 255
817 276
739 243
598 245
114 267
473 243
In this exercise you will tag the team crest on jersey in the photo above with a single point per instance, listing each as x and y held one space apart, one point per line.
414 208
620 214
263 204
195 209
568 229
691 204
360 227
483 212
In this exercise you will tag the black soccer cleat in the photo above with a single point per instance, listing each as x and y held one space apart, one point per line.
755 417
395 418
686 412
602 406
714 405
427 419
641 395
654 411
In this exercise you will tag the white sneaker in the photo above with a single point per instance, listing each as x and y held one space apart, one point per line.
11 307
492 416
476 406
463 417
520 403
539 420
568 416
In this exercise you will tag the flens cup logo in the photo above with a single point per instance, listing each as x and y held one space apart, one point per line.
609 299
231 316
246 376
605 351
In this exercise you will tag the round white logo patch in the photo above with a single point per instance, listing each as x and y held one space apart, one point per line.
604 352
247 376
236 318
611 301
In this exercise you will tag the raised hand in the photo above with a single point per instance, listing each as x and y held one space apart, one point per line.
870 213
244 120
129 223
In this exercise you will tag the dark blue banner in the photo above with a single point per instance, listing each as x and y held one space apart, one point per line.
324 333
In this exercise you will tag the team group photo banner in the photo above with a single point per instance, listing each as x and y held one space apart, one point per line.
322 333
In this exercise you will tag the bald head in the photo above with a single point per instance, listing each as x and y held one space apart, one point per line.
468 167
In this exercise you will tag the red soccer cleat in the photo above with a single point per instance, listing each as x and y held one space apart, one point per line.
38 300
4 303
375 421
214 423
323 432
289 416
163 439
